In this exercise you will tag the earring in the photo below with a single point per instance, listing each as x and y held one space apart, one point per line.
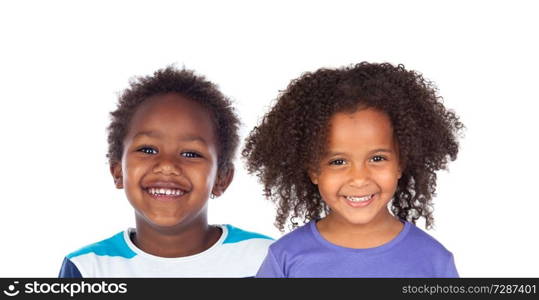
213 196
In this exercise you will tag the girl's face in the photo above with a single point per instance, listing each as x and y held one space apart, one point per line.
358 175
169 162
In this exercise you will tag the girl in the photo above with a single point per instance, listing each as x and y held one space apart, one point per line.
337 149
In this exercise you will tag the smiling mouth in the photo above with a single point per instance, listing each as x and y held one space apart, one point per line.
165 193
358 199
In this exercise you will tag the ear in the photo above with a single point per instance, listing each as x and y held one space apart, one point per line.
313 175
402 161
224 178
116 172
401 168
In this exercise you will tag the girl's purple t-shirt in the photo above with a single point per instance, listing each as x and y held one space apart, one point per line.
305 253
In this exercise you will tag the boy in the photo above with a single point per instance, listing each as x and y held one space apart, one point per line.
171 143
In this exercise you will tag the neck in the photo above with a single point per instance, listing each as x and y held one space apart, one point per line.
381 230
186 240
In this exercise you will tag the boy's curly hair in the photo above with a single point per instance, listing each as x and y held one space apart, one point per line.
292 137
188 84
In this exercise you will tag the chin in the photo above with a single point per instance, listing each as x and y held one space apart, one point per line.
164 221
359 220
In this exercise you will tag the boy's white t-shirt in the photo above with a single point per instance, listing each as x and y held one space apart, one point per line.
237 253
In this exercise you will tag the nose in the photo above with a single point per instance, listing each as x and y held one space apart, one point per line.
359 175
167 166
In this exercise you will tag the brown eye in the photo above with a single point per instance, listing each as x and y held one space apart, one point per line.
378 158
190 154
337 162
147 150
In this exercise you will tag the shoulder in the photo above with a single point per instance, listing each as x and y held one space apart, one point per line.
295 241
91 260
293 250
240 238
428 254
112 246
235 235
69 270
241 250
425 243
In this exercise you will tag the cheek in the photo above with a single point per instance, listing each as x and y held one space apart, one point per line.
205 175
210 177
329 184
132 171
388 180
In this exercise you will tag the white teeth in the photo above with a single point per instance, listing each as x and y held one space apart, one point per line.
167 192
358 199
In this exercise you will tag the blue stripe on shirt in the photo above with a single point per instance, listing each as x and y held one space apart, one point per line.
114 246
237 235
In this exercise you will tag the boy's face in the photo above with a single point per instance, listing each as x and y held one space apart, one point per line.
359 173
169 162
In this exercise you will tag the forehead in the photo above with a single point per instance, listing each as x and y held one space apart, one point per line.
172 114
363 128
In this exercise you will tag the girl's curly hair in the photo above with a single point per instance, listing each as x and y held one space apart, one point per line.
292 137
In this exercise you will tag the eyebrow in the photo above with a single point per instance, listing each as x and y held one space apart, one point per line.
185 138
147 133
382 150
373 151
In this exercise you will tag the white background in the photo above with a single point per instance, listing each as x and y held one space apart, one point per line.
63 63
